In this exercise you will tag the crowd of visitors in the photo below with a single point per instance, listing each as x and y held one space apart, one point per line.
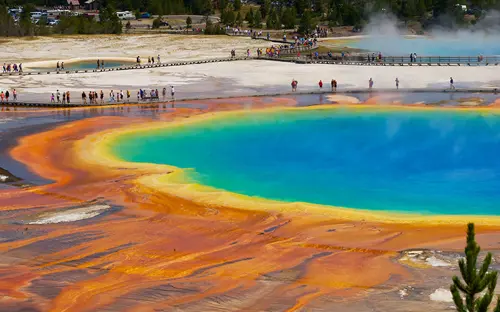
5 96
94 97
9 68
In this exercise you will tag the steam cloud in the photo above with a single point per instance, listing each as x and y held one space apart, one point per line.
387 35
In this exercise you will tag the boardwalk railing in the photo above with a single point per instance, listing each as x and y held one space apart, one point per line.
419 60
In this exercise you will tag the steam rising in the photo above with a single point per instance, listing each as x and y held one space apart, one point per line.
384 35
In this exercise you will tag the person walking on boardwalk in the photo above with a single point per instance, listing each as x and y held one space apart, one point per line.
84 98
172 92
58 94
397 83
128 96
2 95
334 85
452 86
67 97
62 65
52 100
14 94
370 83
98 63
320 84
102 97
64 98
102 64
158 59
7 94
164 93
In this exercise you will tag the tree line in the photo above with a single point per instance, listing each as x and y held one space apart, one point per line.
108 23
277 14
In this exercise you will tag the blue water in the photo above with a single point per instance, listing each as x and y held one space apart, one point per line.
435 162
89 65
469 45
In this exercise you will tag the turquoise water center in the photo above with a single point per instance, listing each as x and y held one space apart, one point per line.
440 45
404 160
88 65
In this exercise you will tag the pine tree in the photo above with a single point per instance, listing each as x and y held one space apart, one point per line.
257 20
249 17
237 5
265 8
288 18
474 280
189 22
305 25
239 19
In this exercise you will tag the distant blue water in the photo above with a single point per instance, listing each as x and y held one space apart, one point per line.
89 65
434 162
450 46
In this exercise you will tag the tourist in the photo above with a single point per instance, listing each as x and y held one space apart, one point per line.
111 96
4 67
58 96
58 66
62 65
20 67
14 94
452 87
334 85
84 98
172 92
64 98
157 94
153 60
320 85
7 94
164 93
2 95
52 101
370 83
67 97
102 97
138 96
411 57
149 60
98 63
397 83
158 59
138 60
91 97
128 96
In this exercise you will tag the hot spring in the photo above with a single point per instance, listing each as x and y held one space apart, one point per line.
403 160
452 45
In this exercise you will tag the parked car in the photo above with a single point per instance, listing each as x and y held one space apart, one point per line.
145 15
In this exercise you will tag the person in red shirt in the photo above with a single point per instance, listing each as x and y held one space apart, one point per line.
320 84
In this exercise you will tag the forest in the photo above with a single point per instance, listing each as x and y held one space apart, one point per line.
270 14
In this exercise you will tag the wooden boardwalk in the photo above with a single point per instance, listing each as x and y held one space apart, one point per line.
326 91
121 68
353 61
